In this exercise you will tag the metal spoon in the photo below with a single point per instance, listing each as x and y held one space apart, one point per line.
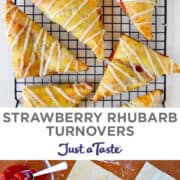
58 167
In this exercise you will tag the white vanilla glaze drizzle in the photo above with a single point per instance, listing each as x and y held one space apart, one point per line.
141 13
32 59
89 28
25 47
12 20
27 100
87 86
58 13
97 45
137 58
82 20
35 98
53 45
7 11
128 105
103 90
150 60
172 68
149 57
140 77
43 48
16 38
50 5
108 87
75 13
159 61
10 9
62 93
94 35
123 72
78 92
68 65
59 57
131 105
136 105
50 94
76 66
121 84
140 1
152 98
143 23
27 27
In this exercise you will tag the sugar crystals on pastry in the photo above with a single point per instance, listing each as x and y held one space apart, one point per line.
82 17
149 100
66 95
132 66
140 13
34 51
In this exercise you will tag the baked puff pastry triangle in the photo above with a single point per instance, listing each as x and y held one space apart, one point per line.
140 12
34 51
132 66
82 17
66 95
149 100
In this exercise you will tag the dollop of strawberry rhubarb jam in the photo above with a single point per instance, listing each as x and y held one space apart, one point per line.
17 172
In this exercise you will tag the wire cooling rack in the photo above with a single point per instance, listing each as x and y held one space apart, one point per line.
115 23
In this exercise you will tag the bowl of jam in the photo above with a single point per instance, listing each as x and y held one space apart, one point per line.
23 170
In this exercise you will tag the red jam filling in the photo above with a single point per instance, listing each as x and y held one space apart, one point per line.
123 6
139 69
17 172
112 56
100 13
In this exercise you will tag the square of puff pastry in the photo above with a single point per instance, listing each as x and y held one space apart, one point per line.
82 169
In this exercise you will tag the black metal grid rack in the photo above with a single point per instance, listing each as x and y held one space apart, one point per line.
115 23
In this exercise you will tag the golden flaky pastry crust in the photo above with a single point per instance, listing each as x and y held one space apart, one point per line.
140 12
34 51
82 18
149 100
66 95
133 65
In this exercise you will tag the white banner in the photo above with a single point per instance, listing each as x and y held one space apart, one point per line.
86 134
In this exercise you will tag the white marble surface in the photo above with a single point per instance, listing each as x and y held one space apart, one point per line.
173 89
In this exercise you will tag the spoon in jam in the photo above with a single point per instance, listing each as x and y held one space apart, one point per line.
30 175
